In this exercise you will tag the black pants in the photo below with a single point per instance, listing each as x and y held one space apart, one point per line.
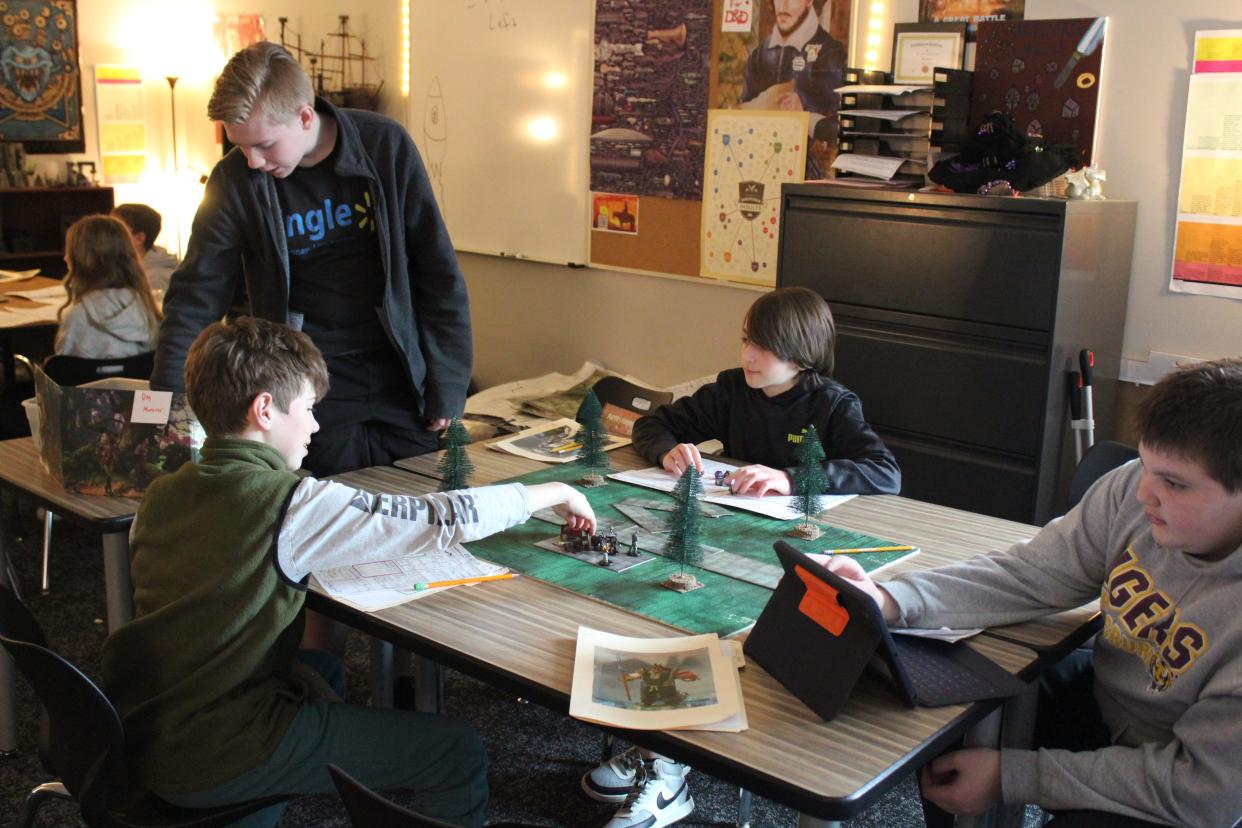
1067 719
370 416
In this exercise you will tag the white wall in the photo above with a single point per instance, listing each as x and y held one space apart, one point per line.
532 317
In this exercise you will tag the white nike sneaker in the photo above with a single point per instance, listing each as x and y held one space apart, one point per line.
613 780
660 796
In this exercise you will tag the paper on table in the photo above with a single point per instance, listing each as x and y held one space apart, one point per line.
880 88
405 572
938 634
24 316
41 294
882 114
776 506
378 599
878 166
555 442
17 275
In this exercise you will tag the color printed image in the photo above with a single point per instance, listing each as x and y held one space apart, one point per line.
41 86
749 156
792 60
971 12
649 110
614 213
647 681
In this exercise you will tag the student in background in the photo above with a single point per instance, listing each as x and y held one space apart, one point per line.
110 312
144 227
1146 730
760 412
219 705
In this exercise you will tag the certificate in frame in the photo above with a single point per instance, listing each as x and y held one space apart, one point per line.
918 48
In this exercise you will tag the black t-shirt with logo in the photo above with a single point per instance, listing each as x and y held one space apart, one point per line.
336 273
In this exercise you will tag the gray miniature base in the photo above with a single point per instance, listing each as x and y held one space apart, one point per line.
617 562
806 531
593 481
682 582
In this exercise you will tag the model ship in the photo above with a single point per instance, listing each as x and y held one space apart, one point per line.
339 72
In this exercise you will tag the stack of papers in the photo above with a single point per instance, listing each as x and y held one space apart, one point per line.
376 585
556 442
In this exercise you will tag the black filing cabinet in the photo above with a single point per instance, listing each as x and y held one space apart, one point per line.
958 318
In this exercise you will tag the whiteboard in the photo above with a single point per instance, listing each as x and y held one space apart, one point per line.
500 97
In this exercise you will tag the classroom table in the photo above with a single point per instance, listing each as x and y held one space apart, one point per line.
23 472
520 635
9 324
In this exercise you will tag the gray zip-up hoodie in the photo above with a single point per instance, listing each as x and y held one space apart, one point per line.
238 233
110 323
1168 663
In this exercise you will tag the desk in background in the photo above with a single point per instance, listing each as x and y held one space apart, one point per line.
520 635
21 471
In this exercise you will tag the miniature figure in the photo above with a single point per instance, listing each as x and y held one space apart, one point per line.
633 553
1095 181
720 477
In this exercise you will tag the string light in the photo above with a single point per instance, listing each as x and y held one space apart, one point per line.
875 26
405 48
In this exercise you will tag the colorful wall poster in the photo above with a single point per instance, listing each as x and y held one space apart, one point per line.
1045 74
649 109
1207 247
749 156
614 213
1218 51
121 109
791 58
41 85
970 12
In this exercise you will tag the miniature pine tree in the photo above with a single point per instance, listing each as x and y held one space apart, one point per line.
809 480
592 435
686 520
455 466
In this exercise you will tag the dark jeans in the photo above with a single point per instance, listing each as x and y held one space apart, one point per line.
370 416
440 759
1067 719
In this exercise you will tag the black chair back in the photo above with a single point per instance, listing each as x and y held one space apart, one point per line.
628 396
72 370
367 809
1098 461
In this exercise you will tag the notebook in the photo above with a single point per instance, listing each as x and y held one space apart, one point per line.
819 632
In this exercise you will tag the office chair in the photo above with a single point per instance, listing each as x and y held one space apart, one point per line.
82 743
367 809
1100 459
72 370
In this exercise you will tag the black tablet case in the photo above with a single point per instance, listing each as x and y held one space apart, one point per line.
818 633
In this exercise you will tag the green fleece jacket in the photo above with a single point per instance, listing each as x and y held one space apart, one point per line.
201 676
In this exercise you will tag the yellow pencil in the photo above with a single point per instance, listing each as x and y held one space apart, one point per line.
868 549
566 447
479 579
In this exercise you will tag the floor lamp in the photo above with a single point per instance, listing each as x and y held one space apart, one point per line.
172 96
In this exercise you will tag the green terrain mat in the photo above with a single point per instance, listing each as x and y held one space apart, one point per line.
725 605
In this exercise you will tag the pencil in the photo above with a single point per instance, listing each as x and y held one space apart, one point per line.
478 579
566 447
868 549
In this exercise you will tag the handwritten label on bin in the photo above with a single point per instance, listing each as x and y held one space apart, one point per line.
737 16
151 407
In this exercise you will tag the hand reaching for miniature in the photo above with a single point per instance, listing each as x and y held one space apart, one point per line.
965 781
758 481
566 501
680 457
438 424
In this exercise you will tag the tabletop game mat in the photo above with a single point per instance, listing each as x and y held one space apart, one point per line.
734 593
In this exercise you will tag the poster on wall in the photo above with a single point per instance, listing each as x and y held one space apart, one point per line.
970 12
749 156
121 111
791 58
1207 248
41 85
1045 74
649 109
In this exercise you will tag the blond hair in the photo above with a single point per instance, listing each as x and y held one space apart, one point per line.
230 363
100 254
262 78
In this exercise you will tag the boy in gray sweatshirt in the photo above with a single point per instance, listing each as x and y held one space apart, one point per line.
1157 541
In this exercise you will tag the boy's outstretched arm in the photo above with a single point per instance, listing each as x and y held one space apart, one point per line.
852 571
566 501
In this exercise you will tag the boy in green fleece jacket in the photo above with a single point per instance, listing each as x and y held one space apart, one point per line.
1148 734
219 705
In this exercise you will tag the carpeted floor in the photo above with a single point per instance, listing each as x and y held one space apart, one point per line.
536 756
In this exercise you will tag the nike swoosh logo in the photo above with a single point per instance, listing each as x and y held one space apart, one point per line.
663 803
